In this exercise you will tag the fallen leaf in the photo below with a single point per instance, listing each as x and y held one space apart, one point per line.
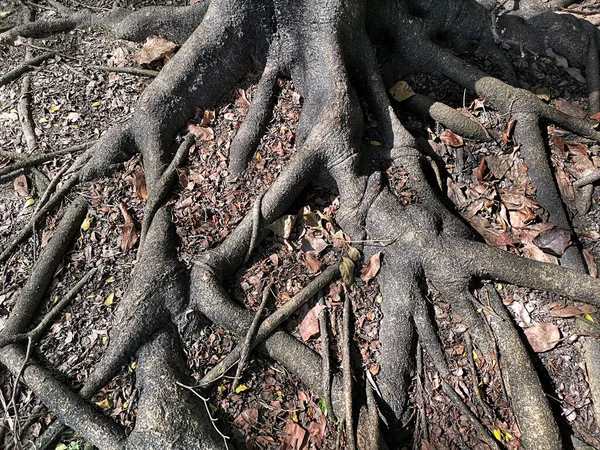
139 185
20 186
85 225
497 166
316 431
155 48
313 264
129 235
533 252
241 388
554 241
106 403
591 263
507 135
353 254
542 336
451 139
572 311
309 326
295 436
110 299
401 91
372 268
283 226
347 271
202 133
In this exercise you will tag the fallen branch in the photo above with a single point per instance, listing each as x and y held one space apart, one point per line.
347 376
28 65
272 322
25 161
128 70
34 335
245 350
325 359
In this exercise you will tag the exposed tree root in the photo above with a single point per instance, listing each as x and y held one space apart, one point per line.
28 65
341 57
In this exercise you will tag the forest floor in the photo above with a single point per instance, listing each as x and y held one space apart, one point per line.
488 183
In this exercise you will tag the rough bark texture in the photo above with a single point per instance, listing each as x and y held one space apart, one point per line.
341 56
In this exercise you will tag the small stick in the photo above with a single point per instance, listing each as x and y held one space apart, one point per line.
325 359
212 419
588 179
50 188
27 66
35 334
474 378
482 432
255 225
271 323
128 70
164 185
347 376
32 161
245 350
13 398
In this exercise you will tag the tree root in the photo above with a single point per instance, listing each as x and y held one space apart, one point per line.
173 23
334 65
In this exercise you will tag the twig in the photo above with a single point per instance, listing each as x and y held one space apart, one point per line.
474 378
50 188
255 225
245 350
128 70
482 432
13 398
35 334
588 179
32 161
212 419
271 323
325 359
347 376
28 65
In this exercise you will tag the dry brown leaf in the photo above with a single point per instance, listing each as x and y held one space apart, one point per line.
139 185
309 326
372 268
554 241
20 185
129 235
591 263
542 336
572 311
155 48
498 166
451 139
533 252
313 264
207 117
507 135
242 99
202 133
296 436
316 431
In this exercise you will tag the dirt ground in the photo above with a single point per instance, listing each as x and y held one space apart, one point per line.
73 103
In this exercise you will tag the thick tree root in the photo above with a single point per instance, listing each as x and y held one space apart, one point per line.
172 23
331 51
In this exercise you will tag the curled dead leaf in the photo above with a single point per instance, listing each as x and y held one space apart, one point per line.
129 235
20 186
202 133
401 91
372 268
155 48
542 336
309 326
451 139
